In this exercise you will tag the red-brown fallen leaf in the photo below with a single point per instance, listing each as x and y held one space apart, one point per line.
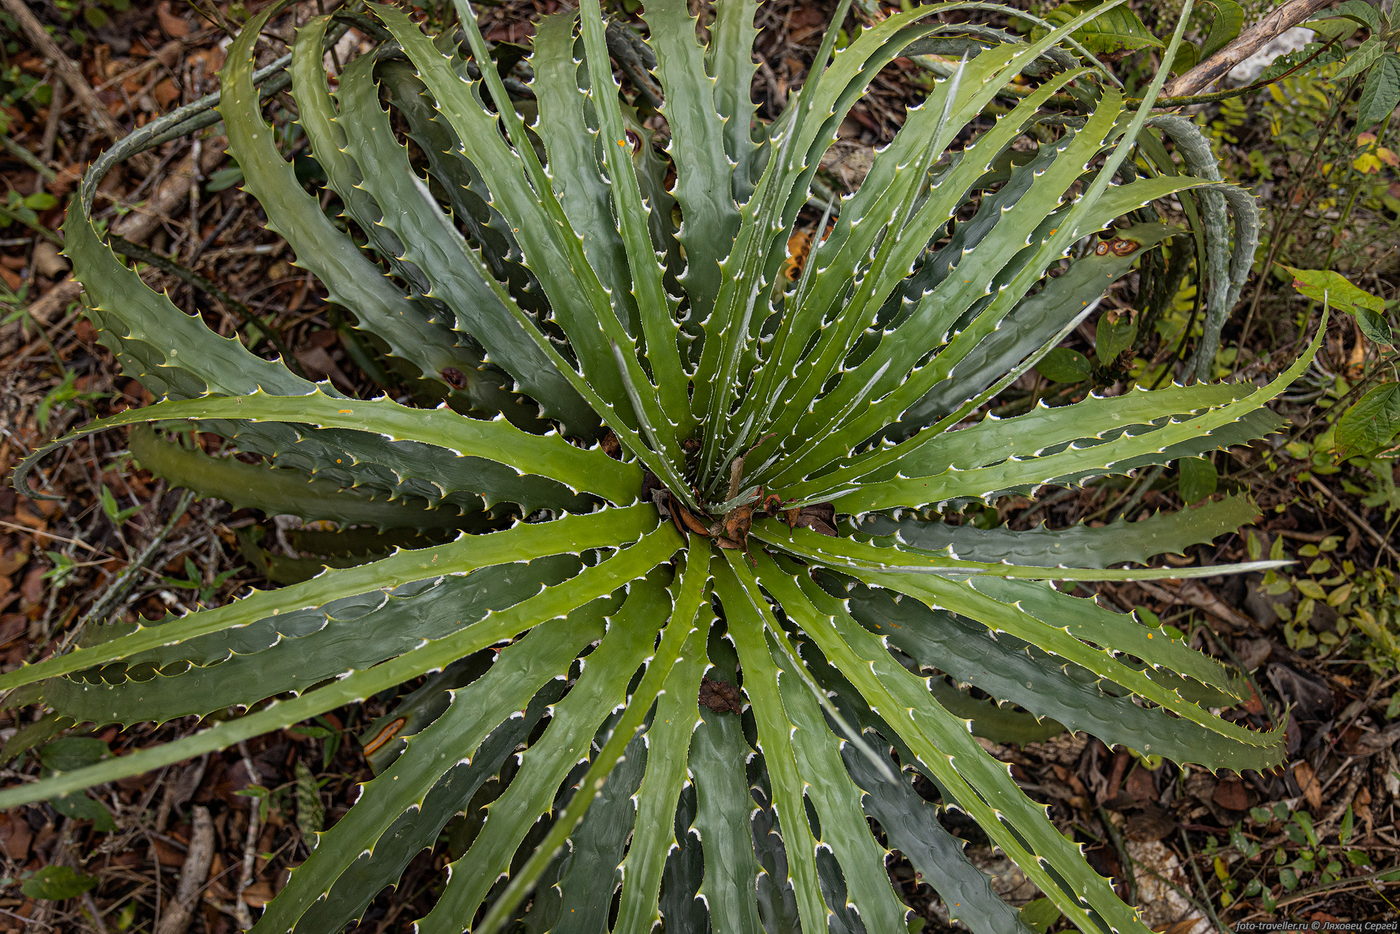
1362 807
1308 784
12 625
167 854
1231 794
25 516
15 836
11 560
1184 926
31 591
1141 785
219 879
1369 744
1253 704
53 508
258 894
174 26
165 93
210 60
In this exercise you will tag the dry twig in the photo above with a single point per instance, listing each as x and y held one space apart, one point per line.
67 69
1245 44
193 875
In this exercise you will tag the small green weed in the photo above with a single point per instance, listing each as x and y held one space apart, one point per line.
199 581
1276 851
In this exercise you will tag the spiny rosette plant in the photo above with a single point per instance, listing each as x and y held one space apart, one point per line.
681 615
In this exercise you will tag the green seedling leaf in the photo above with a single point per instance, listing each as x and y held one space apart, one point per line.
1196 479
1359 10
1381 92
81 806
56 883
1334 290
1115 333
73 752
40 201
1063 365
1119 30
1039 914
1372 423
1226 21
112 511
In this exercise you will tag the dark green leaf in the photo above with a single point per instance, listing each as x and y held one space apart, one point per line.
1381 92
1118 30
1117 542
81 806
55 883
1063 365
1226 20
1115 333
1363 58
1360 11
1196 479
1372 423
1375 327
73 752
913 828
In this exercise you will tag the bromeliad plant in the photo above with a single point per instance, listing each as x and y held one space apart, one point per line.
678 586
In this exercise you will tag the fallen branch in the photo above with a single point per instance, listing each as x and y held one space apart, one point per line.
67 69
1254 38
194 875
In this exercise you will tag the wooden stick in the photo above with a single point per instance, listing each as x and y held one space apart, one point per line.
67 69
1244 45
194 875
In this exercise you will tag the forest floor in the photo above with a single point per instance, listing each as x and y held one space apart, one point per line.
201 845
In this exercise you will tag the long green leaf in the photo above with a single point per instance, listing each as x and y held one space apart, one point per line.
349 278
703 143
555 602
749 620
1014 671
687 594
654 306
567 740
294 651
1010 473
1117 542
445 753
676 717
592 867
912 825
1002 608
836 801
549 456
732 64
469 552
278 492
975 782
838 552
718 752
